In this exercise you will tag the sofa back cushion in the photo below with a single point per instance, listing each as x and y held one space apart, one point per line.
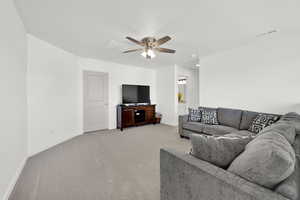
247 119
230 117
267 160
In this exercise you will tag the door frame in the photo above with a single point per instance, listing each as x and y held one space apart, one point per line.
81 97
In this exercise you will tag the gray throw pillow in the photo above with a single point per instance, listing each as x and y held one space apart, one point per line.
283 128
218 150
209 116
267 160
261 121
194 115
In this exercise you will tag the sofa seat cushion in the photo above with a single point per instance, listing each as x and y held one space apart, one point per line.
217 129
193 126
218 150
230 117
267 160
208 129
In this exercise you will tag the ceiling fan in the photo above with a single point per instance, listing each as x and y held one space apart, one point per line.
150 45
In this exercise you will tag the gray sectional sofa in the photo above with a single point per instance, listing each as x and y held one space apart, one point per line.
185 177
231 120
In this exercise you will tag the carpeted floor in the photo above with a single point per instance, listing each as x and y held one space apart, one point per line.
106 165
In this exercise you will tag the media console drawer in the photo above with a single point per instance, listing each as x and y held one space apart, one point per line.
135 115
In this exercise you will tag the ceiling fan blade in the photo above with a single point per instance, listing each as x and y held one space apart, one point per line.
164 50
163 40
135 41
133 50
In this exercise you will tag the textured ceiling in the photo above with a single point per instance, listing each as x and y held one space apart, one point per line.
97 28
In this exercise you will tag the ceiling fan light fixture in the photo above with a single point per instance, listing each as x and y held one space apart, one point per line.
148 54
150 44
144 54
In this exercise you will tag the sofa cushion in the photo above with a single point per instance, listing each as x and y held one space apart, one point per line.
283 128
194 115
247 119
193 126
230 117
261 121
217 129
208 129
292 118
209 115
218 150
267 160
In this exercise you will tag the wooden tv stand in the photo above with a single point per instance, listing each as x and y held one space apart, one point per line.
135 115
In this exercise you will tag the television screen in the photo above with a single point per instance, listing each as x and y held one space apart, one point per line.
136 94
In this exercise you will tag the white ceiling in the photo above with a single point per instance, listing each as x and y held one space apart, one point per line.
97 28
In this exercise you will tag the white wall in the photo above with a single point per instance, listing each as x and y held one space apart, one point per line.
118 75
262 76
55 96
52 95
166 94
13 137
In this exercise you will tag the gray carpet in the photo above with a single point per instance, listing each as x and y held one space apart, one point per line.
106 165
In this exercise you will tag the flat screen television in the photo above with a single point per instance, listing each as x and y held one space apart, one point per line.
135 94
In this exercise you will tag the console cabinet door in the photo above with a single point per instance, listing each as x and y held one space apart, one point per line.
128 117
149 115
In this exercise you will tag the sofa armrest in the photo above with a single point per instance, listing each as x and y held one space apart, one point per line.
184 177
181 120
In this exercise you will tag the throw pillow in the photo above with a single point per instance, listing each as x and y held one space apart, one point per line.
261 121
194 115
267 160
209 116
285 129
220 151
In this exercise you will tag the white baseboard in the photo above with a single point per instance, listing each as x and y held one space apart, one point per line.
14 180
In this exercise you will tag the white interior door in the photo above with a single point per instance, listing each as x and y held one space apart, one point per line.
95 86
